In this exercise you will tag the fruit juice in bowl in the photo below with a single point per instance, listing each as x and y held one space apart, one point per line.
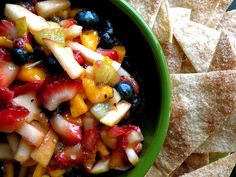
71 97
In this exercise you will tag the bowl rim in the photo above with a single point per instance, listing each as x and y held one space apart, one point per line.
164 117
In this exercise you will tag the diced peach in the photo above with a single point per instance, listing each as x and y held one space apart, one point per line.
6 43
44 152
102 149
39 171
90 39
78 106
120 51
56 172
116 159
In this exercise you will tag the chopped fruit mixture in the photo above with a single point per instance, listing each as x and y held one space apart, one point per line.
63 93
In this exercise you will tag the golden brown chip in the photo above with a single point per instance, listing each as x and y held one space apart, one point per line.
228 23
177 13
215 18
147 8
201 103
198 43
222 167
202 10
163 27
225 54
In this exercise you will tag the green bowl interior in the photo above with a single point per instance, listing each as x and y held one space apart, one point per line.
149 64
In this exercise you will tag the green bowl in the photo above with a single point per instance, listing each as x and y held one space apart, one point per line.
149 62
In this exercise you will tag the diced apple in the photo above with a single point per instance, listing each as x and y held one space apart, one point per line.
65 58
23 151
13 141
114 116
89 54
123 72
29 101
132 156
31 134
115 99
5 152
51 7
100 167
73 31
34 22
44 152
99 110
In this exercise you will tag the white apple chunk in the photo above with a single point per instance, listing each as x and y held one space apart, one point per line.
132 155
65 58
89 54
51 7
34 22
23 151
28 101
100 167
114 116
73 31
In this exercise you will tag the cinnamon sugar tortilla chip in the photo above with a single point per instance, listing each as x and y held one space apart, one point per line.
147 8
222 167
228 23
201 103
193 162
225 54
172 51
198 43
201 9
215 18
187 66
163 27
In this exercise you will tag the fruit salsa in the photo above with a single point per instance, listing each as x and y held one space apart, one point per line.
64 96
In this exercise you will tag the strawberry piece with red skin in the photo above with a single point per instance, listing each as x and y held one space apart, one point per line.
21 42
78 57
8 73
57 89
12 118
67 23
70 133
7 29
70 155
112 54
6 97
115 131
4 55
90 139
26 88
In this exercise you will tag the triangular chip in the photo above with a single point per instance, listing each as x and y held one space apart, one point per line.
172 51
228 23
201 103
163 27
222 167
215 18
225 54
187 66
147 8
198 43
201 10
193 162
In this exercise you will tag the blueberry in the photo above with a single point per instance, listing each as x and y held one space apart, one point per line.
107 40
108 28
19 56
88 19
53 65
126 90
137 104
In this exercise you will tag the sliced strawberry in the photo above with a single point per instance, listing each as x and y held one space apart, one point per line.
4 54
21 42
71 133
70 155
26 88
112 54
12 118
67 23
90 139
78 57
6 97
8 72
115 131
58 89
7 29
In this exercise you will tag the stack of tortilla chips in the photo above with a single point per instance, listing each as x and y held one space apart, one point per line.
198 38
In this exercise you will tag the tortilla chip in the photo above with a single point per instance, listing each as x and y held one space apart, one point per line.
147 8
201 9
225 54
177 13
152 172
215 18
163 27
222 168
198 43
222 140
187 66
228 23
201 103
193 162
